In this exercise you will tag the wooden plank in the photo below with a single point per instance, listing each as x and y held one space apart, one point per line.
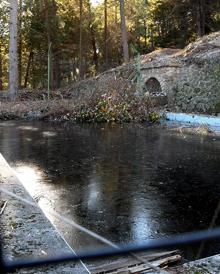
159 263
143 267
129 262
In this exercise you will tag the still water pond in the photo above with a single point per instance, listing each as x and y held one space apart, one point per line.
128 183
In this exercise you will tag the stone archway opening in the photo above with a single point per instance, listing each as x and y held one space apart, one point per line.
154 90
153 87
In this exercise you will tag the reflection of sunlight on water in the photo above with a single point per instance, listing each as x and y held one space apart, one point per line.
32 177
29 176
7 124
49 134
45 205
28 128
93 195
140 228
35 182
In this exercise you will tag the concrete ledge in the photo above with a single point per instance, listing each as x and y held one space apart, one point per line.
210 265
206 265
25 230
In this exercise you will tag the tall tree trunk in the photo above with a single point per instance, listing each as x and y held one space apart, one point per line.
124 32
106 33
28 69
46 9
20 62
20 46
51 14
13 50
145 35
80 38
116 14
55 48
152 39
56 71
200 17
49 40
93 40
95 55
1 70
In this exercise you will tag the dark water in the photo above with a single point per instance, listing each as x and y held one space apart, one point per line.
128 183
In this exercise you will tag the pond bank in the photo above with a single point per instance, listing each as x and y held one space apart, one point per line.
107 109
25 230
115 102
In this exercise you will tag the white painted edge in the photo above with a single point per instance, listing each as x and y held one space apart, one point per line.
194 119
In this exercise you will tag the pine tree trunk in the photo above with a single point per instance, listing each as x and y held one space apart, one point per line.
95 55
1 70
13 50
106 33
116 15
93 40
124 32
152 39
55 49
80 38
200 18
47 24
145 35
28 69
20 47
20 62
56 71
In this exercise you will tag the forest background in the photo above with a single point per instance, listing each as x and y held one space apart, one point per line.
82 38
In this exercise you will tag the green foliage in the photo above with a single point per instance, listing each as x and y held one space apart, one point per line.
154 117
106 109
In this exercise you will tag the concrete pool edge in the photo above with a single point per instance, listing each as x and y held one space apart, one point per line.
193 119
26 231
209 265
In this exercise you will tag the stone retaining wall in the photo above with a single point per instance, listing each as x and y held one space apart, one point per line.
188 78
